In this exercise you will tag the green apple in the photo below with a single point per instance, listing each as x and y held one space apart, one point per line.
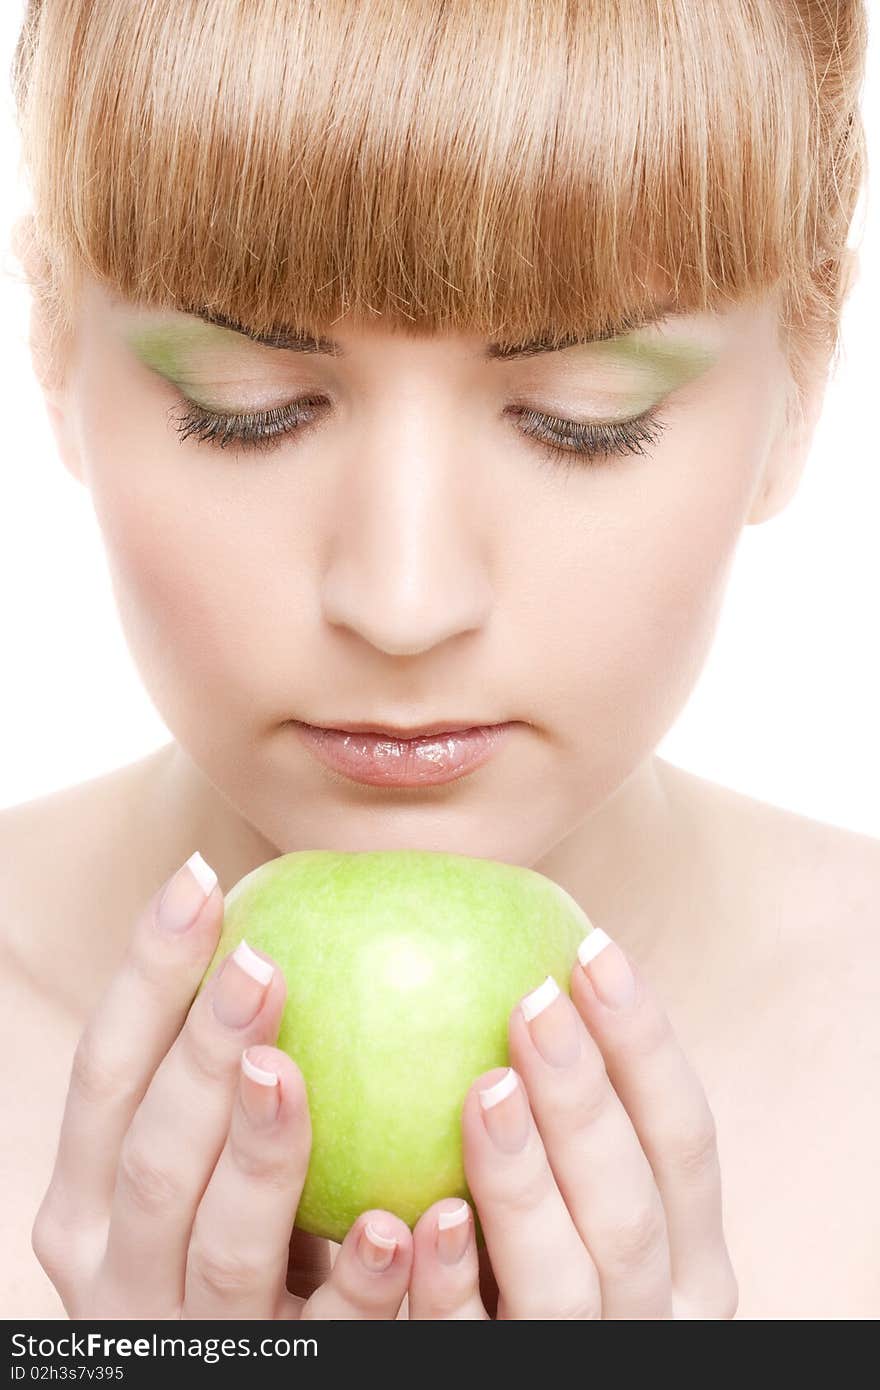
402 967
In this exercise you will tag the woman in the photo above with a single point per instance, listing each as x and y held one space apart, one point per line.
409 399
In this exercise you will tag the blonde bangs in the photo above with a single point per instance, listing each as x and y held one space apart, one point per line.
507 167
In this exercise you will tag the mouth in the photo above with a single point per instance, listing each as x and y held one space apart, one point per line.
417 756
402 734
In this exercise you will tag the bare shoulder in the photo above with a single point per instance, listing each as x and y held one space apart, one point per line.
804 873
61 863
801 903
810 892
36 832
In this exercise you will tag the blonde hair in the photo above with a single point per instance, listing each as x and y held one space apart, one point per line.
515 168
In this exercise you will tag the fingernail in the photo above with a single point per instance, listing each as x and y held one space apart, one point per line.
241 986
506 1113
376 1251
260 1091
607 969
184 894
453 1233
552 1025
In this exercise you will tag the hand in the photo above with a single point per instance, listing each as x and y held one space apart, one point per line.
596 1177
174 1189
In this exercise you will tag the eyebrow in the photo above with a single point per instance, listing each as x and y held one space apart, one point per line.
293 340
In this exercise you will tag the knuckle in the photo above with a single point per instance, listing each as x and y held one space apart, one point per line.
141 962
223 1271
448 1304
586 1103
696 1151
576 1305
580 1098
262 1165
654 1030
583 1309
151 971
96 1076
525 1190
205 1060
592 1071
356 1288
447 1292
150 1187
636 1238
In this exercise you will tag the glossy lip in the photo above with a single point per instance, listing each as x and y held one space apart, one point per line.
399 732
380 760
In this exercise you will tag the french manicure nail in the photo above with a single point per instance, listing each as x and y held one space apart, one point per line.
506 1112
184 894
241 986
376 1251
607 969
453 1233
552 1025
260 1091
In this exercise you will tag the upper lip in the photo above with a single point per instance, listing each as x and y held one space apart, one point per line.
440 726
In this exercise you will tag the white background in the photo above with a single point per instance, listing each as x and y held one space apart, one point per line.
786 709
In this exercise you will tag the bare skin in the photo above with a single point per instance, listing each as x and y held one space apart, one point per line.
776 1012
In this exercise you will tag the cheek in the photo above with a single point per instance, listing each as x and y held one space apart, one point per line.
187 602
643 562
188 575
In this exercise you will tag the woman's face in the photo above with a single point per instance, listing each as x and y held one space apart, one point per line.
413 554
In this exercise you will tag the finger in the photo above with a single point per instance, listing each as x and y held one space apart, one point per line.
542 1266
595 1154
178 1132
370 1274
445 1278
239 1247
670 1113
128 1034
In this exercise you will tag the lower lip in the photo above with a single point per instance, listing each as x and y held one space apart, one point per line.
380 761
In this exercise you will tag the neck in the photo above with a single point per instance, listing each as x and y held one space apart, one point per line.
641 868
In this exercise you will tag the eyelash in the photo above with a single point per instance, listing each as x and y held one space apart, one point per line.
581 442
588 441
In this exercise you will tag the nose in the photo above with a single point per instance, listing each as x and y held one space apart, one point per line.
403 563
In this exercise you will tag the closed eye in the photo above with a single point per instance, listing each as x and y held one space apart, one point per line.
565 442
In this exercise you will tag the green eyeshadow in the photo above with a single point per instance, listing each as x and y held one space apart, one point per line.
651 369
167 348
670 364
